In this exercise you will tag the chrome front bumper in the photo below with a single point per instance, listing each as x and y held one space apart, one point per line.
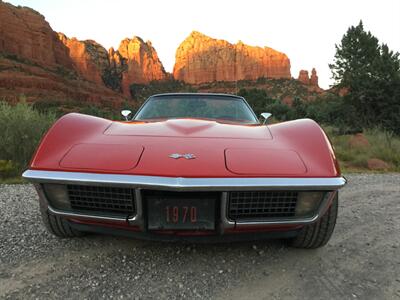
331 185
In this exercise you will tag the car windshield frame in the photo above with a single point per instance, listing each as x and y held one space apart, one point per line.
215 97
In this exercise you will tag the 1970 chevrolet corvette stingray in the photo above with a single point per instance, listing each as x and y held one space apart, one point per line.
197 167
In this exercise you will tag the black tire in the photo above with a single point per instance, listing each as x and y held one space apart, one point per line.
58 226
317 234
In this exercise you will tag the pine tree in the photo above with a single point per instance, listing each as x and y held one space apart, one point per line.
371 73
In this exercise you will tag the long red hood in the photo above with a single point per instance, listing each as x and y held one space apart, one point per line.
82 143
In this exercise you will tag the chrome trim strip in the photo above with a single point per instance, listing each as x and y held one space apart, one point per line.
81 215
225 222
138 218
186 184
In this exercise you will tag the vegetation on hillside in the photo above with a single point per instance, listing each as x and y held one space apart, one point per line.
103 109
140 92
329 109
22 127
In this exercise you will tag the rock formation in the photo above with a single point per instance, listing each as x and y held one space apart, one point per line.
36 63
310 81
24 33
40 64
141 62
303 77
90 59
134 62
200 58
314 78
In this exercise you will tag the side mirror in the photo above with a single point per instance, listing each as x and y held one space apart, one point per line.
126 113
265 116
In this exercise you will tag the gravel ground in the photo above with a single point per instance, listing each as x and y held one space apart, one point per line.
362 260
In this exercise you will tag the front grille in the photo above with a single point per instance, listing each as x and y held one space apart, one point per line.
114 200
262 204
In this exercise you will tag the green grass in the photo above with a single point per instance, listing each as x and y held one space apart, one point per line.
383 146
13 180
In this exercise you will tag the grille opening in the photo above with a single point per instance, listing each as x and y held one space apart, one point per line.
262 204
114 200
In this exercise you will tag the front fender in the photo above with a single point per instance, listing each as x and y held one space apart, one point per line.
307 138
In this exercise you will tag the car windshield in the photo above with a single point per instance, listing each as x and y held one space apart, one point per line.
213 107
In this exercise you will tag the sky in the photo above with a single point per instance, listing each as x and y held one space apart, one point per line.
306 30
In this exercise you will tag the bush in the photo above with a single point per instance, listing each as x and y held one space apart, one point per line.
7 169
331 110
21 130
258 100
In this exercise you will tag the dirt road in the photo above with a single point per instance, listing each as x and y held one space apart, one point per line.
362 260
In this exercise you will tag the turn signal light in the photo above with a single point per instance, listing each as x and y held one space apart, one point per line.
57 195
308 203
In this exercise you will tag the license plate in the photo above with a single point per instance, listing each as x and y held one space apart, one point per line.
179 211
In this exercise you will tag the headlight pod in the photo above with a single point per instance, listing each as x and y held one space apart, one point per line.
308 203
57 195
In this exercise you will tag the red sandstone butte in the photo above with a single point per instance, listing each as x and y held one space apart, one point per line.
200 59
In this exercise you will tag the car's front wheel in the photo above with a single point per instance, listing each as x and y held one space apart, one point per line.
317 234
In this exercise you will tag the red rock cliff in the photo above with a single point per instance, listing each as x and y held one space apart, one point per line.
141 61
200 58
26 34
35 63
90 58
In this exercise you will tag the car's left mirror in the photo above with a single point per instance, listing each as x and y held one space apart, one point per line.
265 116
126 113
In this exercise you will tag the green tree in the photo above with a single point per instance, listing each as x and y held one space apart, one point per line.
371 73
257 98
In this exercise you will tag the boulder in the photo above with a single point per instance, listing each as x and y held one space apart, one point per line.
377 164
358 140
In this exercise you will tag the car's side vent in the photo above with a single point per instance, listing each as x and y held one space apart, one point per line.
100 199
261 204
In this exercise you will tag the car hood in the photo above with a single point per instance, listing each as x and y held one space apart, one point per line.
182 148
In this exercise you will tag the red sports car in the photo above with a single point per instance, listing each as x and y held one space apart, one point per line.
197 167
